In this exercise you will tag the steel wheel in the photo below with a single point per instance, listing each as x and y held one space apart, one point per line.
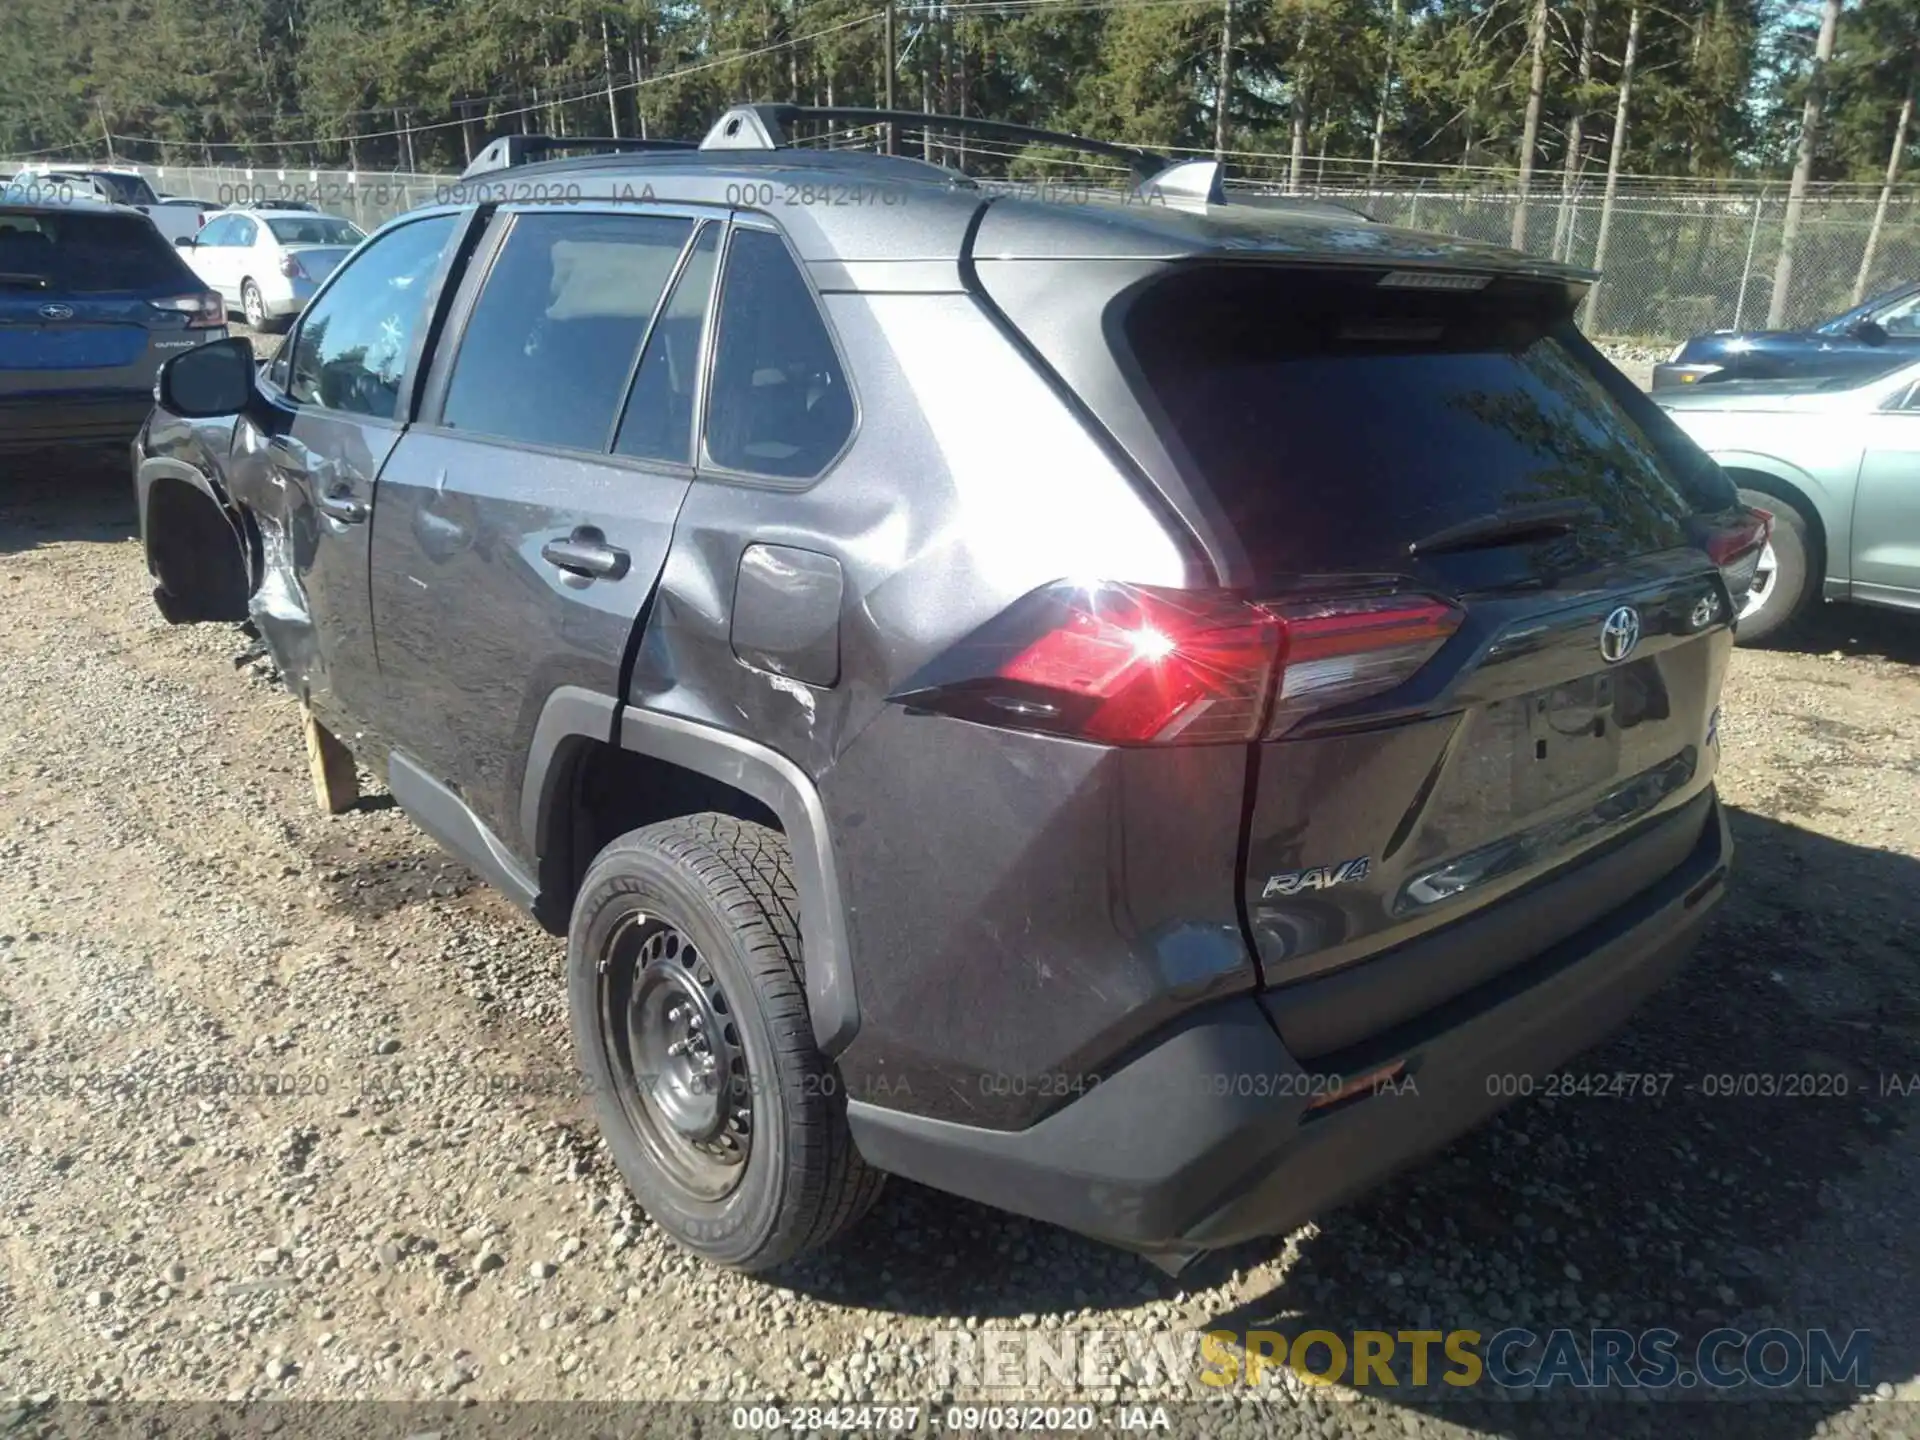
680 1069
1762 587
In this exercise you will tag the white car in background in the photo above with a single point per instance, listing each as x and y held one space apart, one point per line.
267 263
172 216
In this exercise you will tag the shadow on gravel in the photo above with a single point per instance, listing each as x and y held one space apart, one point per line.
50 496
1697 1208
1709 1205
1862 630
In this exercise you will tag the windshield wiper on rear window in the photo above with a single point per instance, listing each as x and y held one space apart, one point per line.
22 281
1504 527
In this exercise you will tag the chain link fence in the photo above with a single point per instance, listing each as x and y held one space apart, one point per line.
1678 261
1677 264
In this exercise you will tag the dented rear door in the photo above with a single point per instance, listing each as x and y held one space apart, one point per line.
524 522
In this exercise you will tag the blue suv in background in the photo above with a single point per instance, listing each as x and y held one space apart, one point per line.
92 302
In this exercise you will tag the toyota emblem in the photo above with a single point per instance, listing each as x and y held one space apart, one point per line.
56 312
1619 634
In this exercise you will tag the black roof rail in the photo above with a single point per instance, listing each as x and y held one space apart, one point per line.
765 127
507 151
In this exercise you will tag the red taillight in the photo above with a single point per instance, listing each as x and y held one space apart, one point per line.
1138 665
1736 549
204 311
290 267
1346 649
1145 666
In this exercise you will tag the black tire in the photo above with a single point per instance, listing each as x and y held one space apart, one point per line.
269 325
715 892
1795 590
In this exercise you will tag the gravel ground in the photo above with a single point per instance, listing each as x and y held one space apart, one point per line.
292 1166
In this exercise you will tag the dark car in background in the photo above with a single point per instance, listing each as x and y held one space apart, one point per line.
92 302
1867 340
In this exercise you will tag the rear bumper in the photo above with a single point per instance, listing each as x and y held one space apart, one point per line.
1209 1136
50 420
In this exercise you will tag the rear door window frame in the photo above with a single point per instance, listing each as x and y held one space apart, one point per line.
433 397
706 467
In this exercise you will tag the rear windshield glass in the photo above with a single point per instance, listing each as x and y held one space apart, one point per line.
67 250
321 230
1335 421
124 189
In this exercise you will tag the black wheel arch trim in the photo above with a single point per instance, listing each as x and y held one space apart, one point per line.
573 713
166 467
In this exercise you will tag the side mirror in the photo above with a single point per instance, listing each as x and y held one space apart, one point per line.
207 382
185 242
1869 332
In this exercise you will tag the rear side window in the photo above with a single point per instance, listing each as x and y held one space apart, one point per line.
320 230
550 347
658 424
1335 421
780 404
75 252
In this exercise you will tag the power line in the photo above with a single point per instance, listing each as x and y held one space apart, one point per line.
595 91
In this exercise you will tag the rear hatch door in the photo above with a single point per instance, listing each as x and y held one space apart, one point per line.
1448 441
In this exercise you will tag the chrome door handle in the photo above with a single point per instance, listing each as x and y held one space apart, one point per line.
340 505
587 554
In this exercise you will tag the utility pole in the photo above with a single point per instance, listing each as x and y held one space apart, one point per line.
1886 193
1530 134
1386 94
606 69
1616 152
886 72
1220 100
1803 166
1570 170
100 106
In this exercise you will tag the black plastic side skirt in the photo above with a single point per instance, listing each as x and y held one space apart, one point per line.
445 816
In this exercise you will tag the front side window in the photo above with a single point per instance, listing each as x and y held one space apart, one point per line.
1902 317
547 354
350 352
215 232
780 405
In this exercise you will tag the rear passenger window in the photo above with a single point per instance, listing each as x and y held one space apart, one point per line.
658 424
550 347
780 404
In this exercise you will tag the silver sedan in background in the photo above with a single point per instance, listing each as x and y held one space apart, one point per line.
1837 463
268 263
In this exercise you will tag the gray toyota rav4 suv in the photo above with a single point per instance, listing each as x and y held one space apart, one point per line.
1148 710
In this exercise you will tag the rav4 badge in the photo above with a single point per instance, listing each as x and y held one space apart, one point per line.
1319 877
